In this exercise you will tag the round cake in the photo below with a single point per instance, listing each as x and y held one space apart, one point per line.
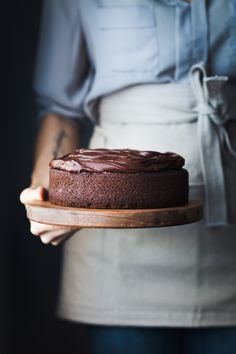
118 179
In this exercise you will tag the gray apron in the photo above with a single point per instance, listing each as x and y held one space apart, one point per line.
175 276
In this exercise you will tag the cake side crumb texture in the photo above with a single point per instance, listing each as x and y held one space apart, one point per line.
119 190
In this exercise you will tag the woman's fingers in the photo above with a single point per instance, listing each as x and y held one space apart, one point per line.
30 194
51 233
55 238
58 240
39 229
47 233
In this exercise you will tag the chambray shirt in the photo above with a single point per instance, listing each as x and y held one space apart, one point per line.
91 48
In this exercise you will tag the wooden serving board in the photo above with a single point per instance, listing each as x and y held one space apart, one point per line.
48 213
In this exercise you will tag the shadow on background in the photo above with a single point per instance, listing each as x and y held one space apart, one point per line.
30 270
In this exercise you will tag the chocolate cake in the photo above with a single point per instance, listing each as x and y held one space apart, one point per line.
118 179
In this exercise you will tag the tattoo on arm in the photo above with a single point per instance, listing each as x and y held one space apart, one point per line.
58 142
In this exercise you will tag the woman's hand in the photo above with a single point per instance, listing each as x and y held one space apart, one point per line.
47 233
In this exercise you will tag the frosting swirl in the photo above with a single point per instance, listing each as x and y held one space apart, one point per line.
117 160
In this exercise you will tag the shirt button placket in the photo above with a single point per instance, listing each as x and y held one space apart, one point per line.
191 36
183 39
199 31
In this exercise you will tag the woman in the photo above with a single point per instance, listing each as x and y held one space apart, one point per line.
153 75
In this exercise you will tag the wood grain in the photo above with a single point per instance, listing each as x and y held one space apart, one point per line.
47 213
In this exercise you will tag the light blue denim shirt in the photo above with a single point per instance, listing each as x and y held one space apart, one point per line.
91 48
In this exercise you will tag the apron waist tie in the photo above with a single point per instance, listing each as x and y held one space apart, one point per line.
212 137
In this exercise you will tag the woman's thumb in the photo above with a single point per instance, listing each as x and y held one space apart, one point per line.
30 194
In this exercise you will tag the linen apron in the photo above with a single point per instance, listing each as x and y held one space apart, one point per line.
173 276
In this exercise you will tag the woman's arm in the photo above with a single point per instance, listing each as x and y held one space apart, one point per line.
57 136
61 82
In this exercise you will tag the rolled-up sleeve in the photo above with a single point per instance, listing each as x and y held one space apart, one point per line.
61 79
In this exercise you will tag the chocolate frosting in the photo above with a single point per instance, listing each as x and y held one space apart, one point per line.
117 160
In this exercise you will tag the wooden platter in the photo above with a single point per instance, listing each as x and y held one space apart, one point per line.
48 213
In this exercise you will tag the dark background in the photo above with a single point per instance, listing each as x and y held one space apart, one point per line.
29 269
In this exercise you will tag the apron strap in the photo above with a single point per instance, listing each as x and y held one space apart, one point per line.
212 136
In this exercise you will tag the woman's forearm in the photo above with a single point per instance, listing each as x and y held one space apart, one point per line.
57 136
